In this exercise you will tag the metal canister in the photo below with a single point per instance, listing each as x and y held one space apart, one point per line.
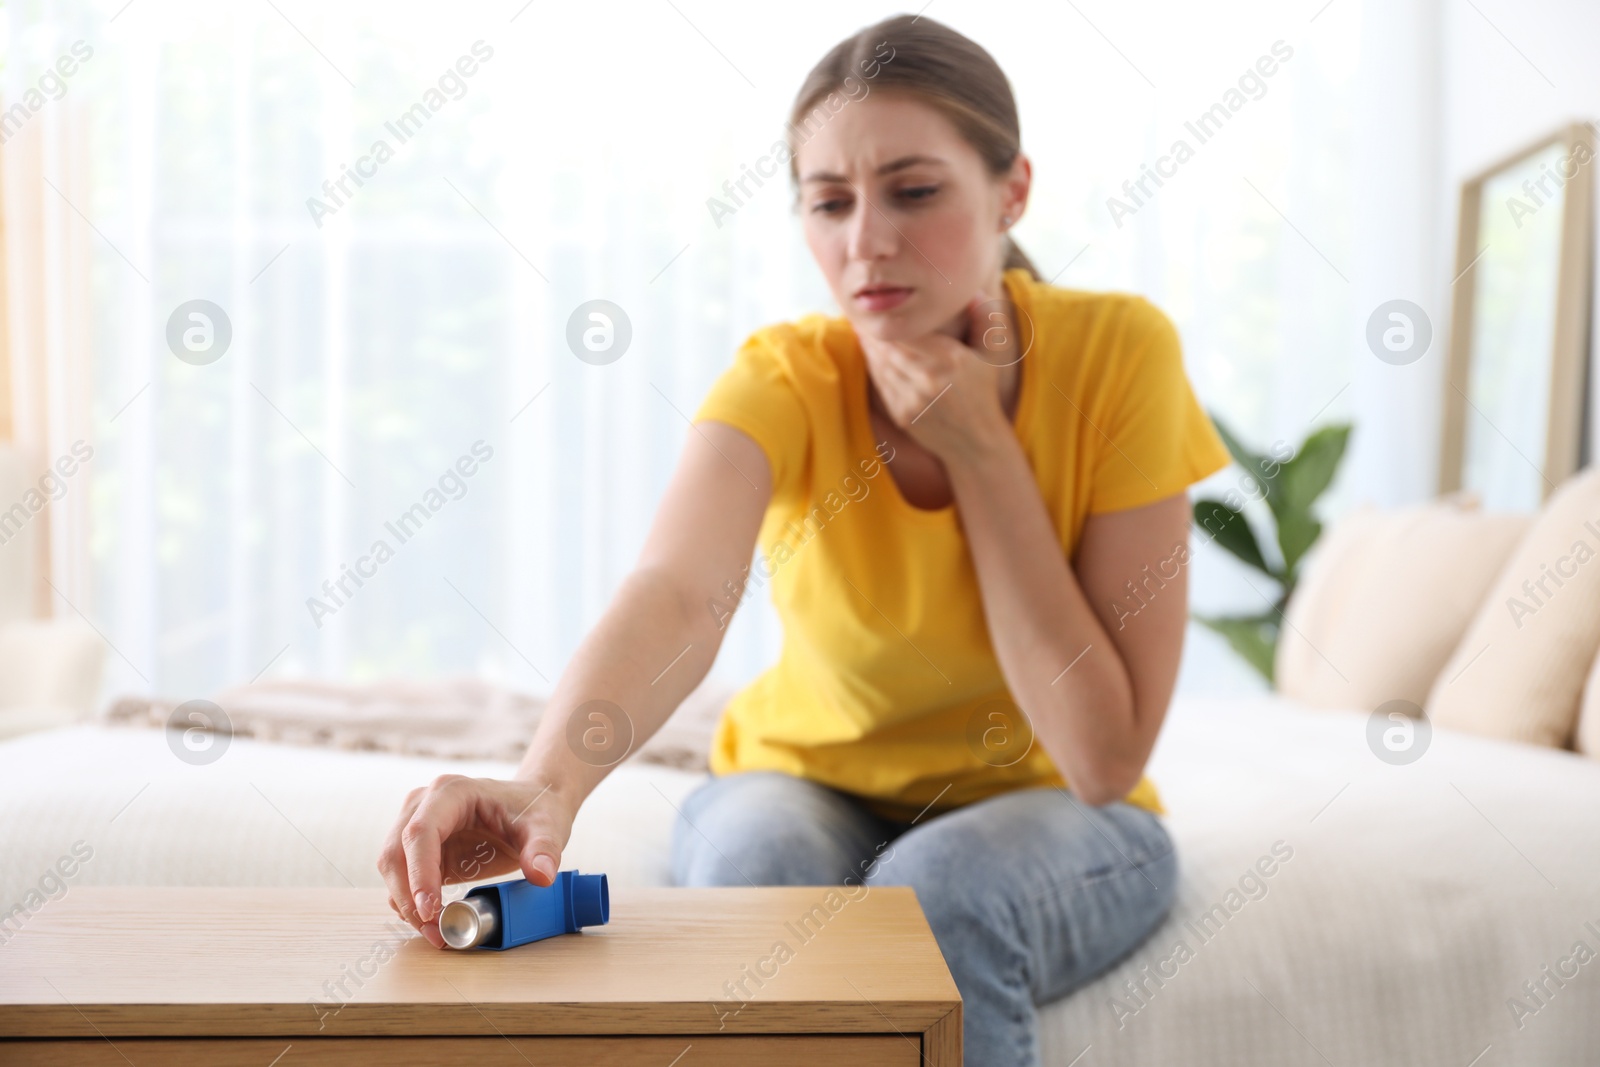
470 921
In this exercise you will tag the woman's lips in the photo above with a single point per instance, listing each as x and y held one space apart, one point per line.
882 299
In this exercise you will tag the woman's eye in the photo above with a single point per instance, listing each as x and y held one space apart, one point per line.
914 194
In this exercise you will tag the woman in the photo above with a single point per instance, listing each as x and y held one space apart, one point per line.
969 496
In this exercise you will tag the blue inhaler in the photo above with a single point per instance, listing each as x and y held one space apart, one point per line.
514 912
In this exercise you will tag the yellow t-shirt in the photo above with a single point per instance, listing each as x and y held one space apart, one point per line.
887 674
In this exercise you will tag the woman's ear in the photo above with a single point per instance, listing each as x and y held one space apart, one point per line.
1016 186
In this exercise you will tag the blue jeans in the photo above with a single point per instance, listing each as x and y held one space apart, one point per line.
1029 894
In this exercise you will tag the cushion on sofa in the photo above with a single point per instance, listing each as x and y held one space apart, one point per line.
1587 737
1519 671
49 674
1385 600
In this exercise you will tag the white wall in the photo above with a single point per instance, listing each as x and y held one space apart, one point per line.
1511 72
1403 222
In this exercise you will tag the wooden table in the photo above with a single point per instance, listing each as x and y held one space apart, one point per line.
289 977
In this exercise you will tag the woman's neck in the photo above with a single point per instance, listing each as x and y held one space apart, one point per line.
998 347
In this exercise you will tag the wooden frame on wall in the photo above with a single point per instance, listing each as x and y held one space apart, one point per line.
1563 446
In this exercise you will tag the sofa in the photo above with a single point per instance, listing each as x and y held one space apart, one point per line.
1333 907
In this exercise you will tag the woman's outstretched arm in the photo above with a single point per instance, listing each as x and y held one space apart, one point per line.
655 643
660 634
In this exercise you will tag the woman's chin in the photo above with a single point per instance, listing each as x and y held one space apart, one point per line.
890 326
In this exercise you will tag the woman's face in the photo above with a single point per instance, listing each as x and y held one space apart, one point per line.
892 197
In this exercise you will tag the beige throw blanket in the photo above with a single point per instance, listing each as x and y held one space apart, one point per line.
456 718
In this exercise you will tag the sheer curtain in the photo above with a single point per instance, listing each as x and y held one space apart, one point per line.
399 371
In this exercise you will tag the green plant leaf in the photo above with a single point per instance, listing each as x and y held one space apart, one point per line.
1300 482
1297 532
1254 464
1290 489
1253 637
1305 477
1230 529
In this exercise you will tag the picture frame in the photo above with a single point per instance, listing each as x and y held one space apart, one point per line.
1515 384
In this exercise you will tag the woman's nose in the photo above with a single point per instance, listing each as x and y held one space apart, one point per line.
872 235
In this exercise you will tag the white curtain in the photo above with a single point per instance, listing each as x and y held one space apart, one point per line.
380 335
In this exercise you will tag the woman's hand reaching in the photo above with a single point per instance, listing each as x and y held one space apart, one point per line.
462 829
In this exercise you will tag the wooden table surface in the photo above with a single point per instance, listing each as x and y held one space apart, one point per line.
164 962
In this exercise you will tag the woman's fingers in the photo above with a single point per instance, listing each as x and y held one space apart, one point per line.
443 811
392 861
539 846
909 387
482 828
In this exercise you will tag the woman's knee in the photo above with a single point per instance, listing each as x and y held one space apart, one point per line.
1149 865
1035 889
761 828
962 895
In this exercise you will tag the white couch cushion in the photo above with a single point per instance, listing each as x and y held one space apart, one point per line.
1518 673
48 668
1385 600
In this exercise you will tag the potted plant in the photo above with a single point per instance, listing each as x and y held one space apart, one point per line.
1290 484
